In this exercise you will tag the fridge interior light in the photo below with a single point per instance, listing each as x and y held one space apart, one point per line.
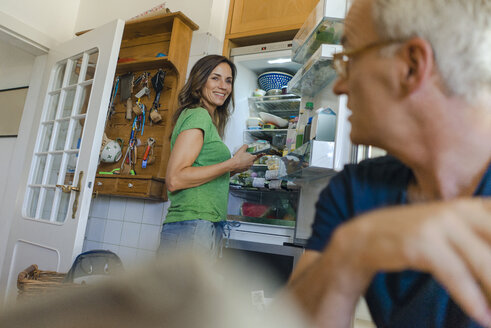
280 61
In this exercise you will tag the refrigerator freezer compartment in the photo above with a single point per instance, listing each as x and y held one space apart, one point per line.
313 160
283 106
316 74
323 26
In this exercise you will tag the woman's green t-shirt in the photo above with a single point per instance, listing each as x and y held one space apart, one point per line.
209 200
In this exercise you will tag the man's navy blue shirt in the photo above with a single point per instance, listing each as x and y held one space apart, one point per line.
403 299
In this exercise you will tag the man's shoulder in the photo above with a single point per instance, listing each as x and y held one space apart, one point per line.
379 168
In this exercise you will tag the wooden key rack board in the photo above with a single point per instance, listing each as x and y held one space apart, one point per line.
144 42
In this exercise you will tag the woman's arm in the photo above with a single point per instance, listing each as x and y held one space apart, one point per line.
182 175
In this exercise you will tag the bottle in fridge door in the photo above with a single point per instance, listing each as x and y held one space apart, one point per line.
303 118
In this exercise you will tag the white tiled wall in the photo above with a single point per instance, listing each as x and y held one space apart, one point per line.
129 227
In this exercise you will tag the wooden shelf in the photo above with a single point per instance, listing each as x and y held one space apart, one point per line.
143 38
155 21
142 64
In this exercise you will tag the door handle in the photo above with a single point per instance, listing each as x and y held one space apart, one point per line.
77 189
69 189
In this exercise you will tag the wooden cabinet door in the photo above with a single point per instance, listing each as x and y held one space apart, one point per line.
257 15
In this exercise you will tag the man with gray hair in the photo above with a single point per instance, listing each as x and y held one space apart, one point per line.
411 231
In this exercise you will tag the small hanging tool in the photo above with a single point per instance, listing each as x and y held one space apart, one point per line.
139 110
145 90
158 86
150 143
129 160
126 90
113 96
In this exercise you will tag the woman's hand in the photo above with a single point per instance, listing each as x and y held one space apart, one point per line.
243 160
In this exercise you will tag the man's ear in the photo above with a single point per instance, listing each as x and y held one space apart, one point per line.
419 64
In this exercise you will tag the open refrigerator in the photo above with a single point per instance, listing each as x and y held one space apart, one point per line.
278 240
282 215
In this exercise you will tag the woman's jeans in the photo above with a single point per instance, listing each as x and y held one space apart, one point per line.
200 236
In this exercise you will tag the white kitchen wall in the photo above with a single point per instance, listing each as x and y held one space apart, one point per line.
93 13
15 71
43 19
15 66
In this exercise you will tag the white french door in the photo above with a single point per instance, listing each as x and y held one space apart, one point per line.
60 141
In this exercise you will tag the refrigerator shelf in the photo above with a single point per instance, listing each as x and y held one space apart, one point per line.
243 190
259 131
280 222
283 106
316 73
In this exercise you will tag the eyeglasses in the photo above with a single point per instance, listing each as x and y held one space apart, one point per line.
341 60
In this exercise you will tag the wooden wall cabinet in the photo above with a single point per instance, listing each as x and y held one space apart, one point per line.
262 21
143 39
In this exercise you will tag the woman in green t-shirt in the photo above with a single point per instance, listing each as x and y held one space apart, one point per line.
199 166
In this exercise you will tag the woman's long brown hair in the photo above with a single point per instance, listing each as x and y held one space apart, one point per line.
190 94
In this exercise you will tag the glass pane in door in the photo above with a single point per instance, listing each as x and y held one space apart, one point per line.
78 129
32 201
84 99
68 102
59 75
54 169
40 164
61 129
91 65
75 70
47 130
61 135
53 105
49 195
63 207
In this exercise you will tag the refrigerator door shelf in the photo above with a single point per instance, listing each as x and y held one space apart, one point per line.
324 25
316 73
313 160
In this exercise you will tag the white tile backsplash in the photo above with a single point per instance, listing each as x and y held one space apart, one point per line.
134 210
111 247
128 227
91 245
95 229
117 207
152 212
149 237
112 234
100 207
130 234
